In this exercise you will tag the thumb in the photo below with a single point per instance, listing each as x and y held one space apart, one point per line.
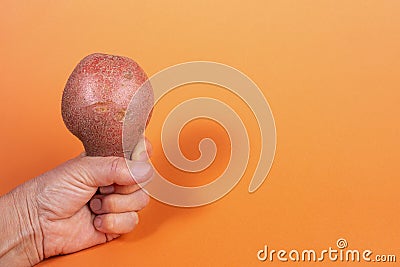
103 171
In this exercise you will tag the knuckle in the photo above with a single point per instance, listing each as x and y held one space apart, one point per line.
127 189
146 199
114 166
134 218
109 222
142 199
109 203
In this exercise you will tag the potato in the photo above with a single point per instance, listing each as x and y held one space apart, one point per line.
96 99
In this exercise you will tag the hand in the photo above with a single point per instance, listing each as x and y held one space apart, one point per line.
59 212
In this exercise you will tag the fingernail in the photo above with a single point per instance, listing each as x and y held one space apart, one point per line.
97 222
107 189
140 147
140 171
143 156
137 218
95 204
149 147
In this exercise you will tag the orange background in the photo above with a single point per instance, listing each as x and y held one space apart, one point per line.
329 69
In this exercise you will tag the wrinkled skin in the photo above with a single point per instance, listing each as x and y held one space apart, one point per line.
68 224
95 197
59 212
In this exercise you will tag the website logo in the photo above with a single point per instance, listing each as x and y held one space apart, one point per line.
340 253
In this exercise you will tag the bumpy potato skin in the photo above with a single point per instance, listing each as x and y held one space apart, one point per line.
96 98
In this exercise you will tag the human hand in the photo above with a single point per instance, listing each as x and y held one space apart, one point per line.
60 212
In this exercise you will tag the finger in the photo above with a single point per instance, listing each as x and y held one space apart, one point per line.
112 236
122 189
109 189
126 189
116 223
104 171
140 153
119 189
149 147
116 203
143 150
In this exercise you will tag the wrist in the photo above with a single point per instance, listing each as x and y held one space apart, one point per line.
20 228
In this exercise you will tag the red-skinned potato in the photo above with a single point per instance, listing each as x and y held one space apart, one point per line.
101 94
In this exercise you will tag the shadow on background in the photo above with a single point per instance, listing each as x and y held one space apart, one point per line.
155 215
